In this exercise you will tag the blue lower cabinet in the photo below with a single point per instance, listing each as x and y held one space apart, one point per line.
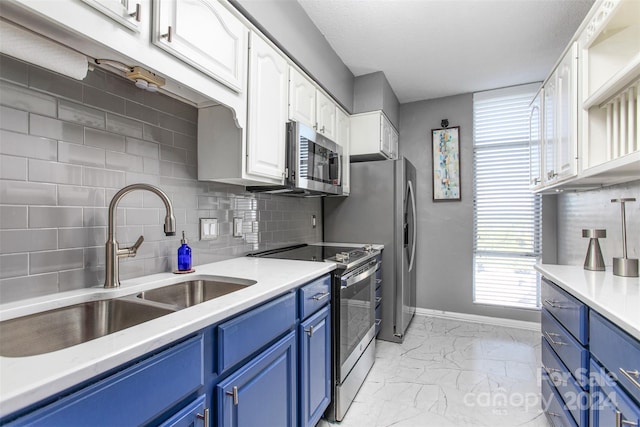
134 396
194 414
553 405
315 366
611 406
263 391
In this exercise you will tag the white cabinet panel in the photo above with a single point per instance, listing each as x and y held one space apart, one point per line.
343 139
373 137
268 78
302 98
326 114
125 12
204 34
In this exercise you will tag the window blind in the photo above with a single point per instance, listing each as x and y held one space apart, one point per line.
507 215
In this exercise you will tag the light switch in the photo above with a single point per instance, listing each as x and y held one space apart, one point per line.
237 227
208 228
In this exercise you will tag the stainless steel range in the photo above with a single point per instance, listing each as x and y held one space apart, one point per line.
353 314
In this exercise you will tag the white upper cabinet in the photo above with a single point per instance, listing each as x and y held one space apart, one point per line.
205 35
308 105
302 98
373 137
125 12
343 139
326 114
535 141
266 130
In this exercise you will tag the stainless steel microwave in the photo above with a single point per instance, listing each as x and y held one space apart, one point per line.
313 164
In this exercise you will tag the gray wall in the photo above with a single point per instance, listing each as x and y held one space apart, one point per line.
373 92
593 209
67 146
289 26
445 229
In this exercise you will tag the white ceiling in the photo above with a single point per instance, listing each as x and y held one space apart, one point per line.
434 48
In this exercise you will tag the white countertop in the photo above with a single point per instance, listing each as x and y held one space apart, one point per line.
616 298
26 380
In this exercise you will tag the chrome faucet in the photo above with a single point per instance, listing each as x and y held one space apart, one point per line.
113 251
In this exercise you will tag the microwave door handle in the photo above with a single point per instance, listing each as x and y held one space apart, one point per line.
340 169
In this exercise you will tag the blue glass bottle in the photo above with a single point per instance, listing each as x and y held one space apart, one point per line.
184 255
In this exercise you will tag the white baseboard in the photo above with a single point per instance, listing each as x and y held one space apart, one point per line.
474 318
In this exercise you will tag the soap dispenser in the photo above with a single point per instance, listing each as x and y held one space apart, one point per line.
184 255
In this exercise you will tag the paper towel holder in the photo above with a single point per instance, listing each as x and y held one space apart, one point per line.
143 78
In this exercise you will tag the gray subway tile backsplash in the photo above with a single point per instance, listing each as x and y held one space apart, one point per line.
14 168
14 120
32 147
54 261
101 139
58 173
25 99
55 129
65 167
78 113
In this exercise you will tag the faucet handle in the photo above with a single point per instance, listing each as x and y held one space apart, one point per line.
131 251
137 244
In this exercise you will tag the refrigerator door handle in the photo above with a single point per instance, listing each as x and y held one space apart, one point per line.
415 219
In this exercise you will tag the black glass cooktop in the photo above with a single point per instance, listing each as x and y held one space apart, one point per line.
311 253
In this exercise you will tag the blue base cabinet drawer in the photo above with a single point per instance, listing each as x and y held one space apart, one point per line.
573 355
617 351
244 335
262 392
553 405
134 396
570 312
314 296
575 399
610 404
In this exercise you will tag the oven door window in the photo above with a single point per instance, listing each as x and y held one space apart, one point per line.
318 163
356 316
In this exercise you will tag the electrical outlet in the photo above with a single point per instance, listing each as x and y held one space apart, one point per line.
208 228
237 227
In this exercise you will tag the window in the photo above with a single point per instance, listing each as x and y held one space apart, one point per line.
507 215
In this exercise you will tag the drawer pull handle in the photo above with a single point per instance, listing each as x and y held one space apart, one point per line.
550 335
378 321
309 331
234 393
320 297
378 281
554 304
204 417
632 376
553 414
378 299
620 422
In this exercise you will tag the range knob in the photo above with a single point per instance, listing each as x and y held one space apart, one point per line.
342 256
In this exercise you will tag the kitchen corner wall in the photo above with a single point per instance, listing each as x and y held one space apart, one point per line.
445 229
67 146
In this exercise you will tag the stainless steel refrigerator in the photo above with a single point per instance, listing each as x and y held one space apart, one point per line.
381 208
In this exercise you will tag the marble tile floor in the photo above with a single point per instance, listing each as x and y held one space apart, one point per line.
452 373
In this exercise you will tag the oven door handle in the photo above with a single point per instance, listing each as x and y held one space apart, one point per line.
351 280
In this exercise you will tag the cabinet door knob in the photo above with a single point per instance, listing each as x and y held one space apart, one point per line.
168 35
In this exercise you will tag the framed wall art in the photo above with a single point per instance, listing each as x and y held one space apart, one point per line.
446 164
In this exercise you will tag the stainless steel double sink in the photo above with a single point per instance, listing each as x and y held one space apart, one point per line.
64 327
